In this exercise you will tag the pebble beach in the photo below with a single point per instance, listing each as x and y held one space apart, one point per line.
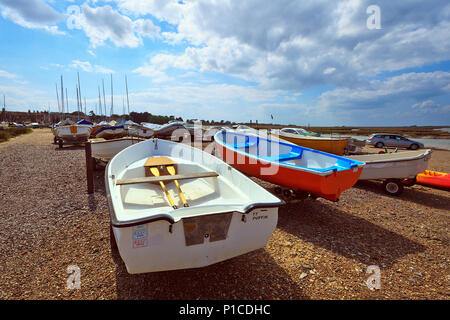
319 250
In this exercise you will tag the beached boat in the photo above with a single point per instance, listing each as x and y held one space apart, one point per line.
173 206
285 164
140 131
174 130
393 168
105 150
329 145
300 131
434 179
72 134
111 132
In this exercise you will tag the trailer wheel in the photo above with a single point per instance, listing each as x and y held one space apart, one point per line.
393 187
409 182
287 193
60 143
300 194
313 196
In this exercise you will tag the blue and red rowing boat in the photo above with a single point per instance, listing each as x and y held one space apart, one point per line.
298 168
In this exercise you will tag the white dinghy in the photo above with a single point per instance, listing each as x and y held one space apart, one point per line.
105 150
140 131
173 206
396 169
72 134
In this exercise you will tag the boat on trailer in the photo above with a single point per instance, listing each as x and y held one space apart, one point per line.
72 134
397 169
105 150
301 169
173 206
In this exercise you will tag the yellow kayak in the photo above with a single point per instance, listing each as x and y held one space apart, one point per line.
330 145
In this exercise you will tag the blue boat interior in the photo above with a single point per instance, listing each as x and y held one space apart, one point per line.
289 154
108 128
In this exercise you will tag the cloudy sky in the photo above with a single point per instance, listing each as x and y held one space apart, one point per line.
304 62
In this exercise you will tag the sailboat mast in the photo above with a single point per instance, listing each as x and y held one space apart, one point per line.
57 97
104 98
99 102
123 105
79 90
67 101
112 99
78 102
128 101
62 97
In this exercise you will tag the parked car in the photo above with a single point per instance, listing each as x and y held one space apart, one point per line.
380 140
300 131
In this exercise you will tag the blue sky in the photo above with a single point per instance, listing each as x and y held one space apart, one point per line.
304 62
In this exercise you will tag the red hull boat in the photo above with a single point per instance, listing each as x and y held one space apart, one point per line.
299 168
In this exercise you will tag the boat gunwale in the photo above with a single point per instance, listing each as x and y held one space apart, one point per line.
426 153
357 164
306 137
116 139
115 222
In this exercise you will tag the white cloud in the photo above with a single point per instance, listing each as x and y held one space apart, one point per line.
300 44
7 75
86 66
101 24
389 93
32 14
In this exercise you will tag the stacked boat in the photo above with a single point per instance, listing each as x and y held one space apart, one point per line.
111 131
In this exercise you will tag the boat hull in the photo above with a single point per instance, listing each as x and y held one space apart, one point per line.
140 132
393 166
333 146
152 247
107 149
228 214
329 187
110 133
434 179
73 134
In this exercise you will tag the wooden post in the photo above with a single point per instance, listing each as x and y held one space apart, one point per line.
89 167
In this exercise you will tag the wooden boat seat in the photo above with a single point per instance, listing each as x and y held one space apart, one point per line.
207 174
283 157
246 144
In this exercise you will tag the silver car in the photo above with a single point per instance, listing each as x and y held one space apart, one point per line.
380 140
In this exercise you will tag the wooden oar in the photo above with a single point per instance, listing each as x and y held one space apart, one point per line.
155 172
171 170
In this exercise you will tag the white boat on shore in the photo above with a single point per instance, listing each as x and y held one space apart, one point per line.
173 206
105 150
140 131
393 167
72 134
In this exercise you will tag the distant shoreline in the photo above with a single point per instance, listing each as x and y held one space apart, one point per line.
425 132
